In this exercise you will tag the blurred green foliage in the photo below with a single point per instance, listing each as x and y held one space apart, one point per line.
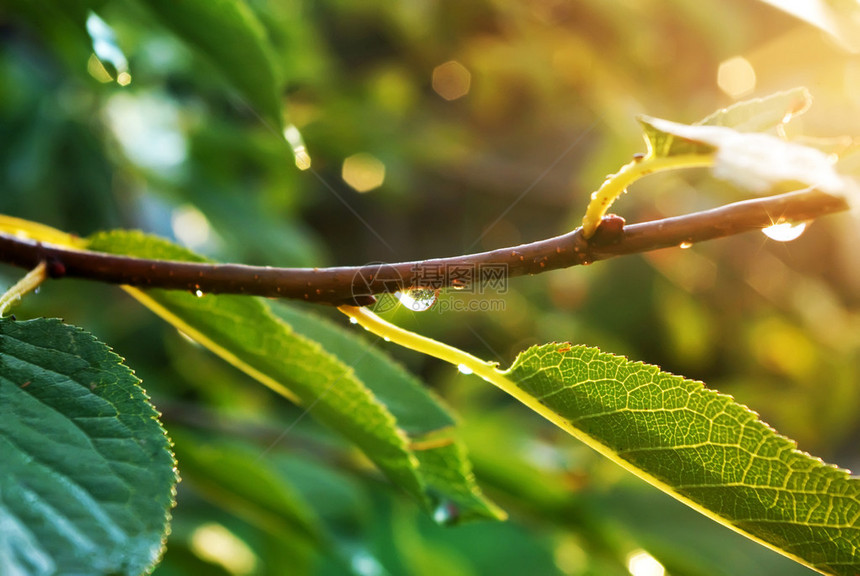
553 91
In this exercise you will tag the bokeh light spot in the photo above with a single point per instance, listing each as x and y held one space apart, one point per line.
451 80
213 542
640 563
363 172
736 77
190 226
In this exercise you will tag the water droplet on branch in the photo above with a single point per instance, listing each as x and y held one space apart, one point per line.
464 369
785 231
417 299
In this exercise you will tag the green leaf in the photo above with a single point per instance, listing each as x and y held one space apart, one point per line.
755 115
229 35
87 475
729 142
701 447
238 479
443 458
244 331
417 411
662 142
756 162
761 114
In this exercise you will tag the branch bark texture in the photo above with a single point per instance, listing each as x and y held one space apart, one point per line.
357 285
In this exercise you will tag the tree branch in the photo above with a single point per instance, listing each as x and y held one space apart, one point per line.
356 285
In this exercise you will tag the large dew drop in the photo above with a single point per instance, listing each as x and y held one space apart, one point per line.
417 299
784 231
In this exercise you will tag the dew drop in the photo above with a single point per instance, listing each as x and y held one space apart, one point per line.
785 231
417 299
446 513
297 143
198 293
353 320
464 369
364 564
685 245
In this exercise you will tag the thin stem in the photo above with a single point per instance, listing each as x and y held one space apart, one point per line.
615 185
357 285
384 329
25 285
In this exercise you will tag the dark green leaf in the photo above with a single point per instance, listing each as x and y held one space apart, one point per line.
444 459
243 331
228 34
87 475
242 481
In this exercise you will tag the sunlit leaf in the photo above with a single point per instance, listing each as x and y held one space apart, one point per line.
761 114
701 447
754 161
730 142
755 115
839 18
87 475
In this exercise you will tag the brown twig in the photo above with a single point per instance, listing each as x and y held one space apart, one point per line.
358 284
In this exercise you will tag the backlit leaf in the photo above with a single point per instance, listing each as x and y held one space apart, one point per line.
701 447
839 18
754 161
761 114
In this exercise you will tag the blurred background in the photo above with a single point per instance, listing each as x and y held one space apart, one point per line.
436 129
